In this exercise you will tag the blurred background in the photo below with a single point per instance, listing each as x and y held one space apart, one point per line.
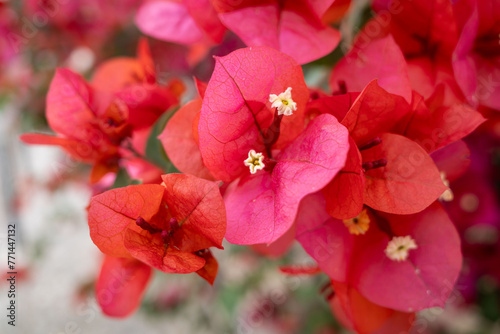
45 194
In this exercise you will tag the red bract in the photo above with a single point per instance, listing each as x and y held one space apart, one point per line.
185 22
385 171
477 54
236 119
408 184
423 279
121 285
236 108
93 122
434 124
373 59
88 132
168 226
262 208
291 26
357 313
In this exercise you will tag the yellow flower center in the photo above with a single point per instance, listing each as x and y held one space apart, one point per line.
358 225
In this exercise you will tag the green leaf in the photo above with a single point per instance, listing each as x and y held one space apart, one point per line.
123 179
154 149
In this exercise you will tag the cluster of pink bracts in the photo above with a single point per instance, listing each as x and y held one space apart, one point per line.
356 175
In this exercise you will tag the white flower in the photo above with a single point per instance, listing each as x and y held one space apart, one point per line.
399 248
255 161
286 106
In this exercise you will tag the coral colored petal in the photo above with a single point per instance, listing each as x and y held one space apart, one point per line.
378 59
365 317
180 144
262 208
146 103
374 111
453 123
117 73
151 250
198 206
209 270
111 212
426 279
146 60
344 194
70 105
408 184
121 285
169 21
236 107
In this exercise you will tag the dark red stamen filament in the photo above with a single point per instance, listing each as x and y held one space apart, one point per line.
374 142
142 223
269 164
273 132
374 164
342 88
165 234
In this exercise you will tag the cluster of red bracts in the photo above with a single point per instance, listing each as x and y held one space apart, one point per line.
357 177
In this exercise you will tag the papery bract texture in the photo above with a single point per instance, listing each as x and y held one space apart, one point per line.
262 208
236 108
121 285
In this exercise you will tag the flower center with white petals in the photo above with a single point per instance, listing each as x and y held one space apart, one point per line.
283 102
447 195
358 225
255 161
399 248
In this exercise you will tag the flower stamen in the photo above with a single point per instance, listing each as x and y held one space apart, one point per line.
398 248
283 102
255 161
358 225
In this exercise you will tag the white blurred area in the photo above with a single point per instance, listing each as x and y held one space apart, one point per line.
56 260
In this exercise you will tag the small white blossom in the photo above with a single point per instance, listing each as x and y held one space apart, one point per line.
286 106
399 248
255 161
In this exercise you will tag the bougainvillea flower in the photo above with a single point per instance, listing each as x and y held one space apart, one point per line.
93 124
385 171
358 314
236 109
373 59
262 207
476 57
277 161
86 131
291 26
169 227
121 285
422 277
185 22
